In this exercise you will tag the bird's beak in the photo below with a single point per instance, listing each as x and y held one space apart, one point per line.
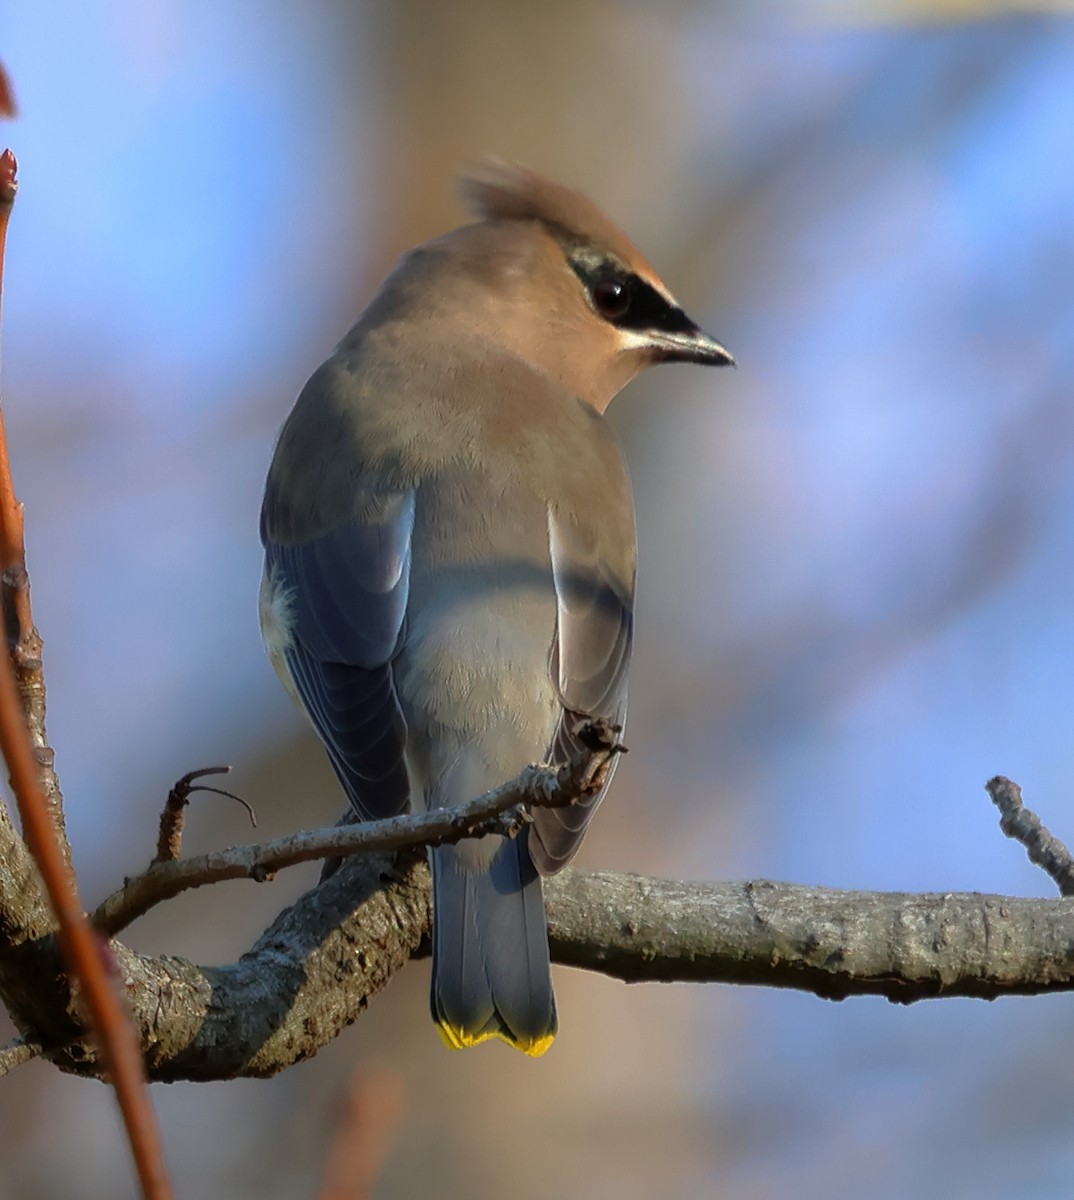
691 344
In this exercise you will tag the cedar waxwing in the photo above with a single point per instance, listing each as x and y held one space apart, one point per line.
449 554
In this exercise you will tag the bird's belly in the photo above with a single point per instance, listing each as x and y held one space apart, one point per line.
475 689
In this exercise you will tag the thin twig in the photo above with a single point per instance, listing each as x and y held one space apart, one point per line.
15 1053
1024 826
83 950
499 811
170 837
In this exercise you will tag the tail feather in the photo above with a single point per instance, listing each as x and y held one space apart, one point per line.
491 971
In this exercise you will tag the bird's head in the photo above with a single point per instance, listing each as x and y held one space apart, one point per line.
545 276
574 295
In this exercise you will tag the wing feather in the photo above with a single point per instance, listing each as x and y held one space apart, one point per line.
346 595
590 656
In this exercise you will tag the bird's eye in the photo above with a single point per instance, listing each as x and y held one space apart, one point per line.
611 298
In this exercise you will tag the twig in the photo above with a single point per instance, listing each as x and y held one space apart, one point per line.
500 811
42 830
15 1053
1024 826
170 837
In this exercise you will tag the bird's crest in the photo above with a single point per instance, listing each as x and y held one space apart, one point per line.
505 191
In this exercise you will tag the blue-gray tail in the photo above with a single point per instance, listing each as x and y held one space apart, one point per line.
491 971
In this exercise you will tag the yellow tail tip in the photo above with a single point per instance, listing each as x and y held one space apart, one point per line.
456 1038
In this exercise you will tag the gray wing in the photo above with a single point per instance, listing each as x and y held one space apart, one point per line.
346 595
590 656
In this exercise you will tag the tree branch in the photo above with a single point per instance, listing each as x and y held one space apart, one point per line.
835 944
321 962
323 959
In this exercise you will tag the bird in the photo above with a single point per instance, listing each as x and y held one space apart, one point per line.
449 544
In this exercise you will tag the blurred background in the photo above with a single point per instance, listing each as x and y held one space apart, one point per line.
857 551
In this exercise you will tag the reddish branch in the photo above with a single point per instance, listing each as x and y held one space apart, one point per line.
88 956
23 640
